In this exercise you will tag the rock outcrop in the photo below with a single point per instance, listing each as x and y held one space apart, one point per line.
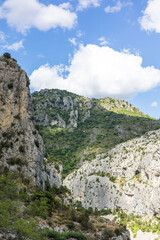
60 108
67 110
127 177
21 146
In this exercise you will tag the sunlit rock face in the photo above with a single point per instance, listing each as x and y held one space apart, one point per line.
21 146
127 177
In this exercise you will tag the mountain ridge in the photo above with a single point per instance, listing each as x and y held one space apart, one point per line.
76 128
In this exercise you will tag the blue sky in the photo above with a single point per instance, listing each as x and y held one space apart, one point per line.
95 48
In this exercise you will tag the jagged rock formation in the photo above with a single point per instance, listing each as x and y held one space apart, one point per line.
60 108
74 108
127 177
21 146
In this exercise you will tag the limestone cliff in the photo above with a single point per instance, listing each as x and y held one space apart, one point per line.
21 146
127 177
67 110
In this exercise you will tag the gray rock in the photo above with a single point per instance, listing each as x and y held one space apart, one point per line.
21 146
128 178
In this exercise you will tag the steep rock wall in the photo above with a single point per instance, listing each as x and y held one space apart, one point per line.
21 146
127 177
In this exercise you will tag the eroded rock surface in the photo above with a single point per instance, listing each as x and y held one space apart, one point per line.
21 146
127 177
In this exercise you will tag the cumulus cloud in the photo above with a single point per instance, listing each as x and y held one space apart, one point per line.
82 4
150 20
99 72
48 76
154 104
24 15
15 46
119 5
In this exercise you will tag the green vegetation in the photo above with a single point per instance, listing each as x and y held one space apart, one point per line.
20 206
7 55
98 133
23 207
136 222
63 236
11 204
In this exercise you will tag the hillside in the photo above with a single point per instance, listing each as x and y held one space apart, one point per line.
76 129
125 180
107 137
33 203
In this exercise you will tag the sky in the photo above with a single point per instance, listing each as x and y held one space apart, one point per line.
95 48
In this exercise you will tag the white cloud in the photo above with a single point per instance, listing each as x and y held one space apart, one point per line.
24 15
40 55
114 9
98 72
2 37
15 46
45 76
82 4
150 20
154 104
119 5
79 34
103 41
73 41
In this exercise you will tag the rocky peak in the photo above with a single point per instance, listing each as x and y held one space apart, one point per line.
118 105
21 146
14 94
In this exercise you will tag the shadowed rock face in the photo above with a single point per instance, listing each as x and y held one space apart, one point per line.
21 146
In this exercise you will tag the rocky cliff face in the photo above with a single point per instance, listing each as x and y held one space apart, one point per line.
67 110
21 146
127 177
60 108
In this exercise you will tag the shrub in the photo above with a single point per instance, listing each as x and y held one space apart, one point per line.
107 234
41 204
22 149
26 230
70 225
17 161
36 143
7 55
10 85
50 234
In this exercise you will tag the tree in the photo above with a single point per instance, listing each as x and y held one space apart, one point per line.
7 55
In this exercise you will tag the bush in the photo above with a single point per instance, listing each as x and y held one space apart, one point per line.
17 161
36 143
27 230
22 149
107 234
7 55
10 85
41 204
50 234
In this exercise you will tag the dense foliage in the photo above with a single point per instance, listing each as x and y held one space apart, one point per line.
23 209
20 206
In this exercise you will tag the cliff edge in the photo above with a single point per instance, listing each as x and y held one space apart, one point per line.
21 146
